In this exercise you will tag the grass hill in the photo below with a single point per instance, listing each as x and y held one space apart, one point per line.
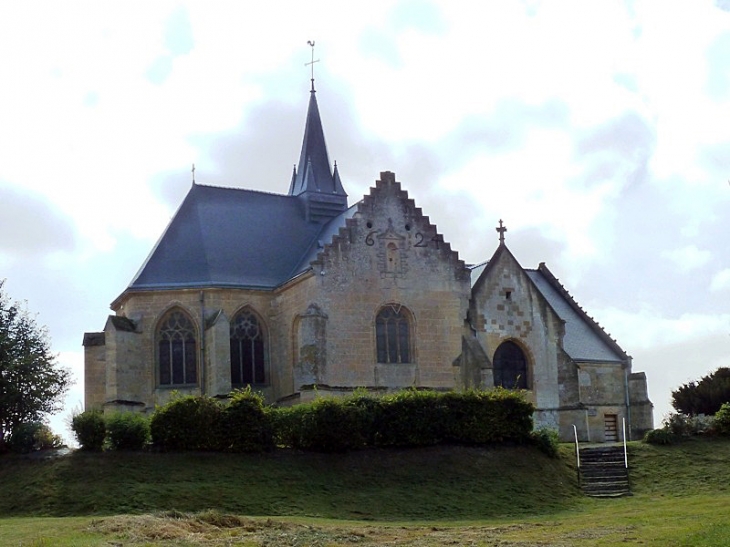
432 496
424 484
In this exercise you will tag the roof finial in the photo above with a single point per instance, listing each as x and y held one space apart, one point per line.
311 63
501 231
193 172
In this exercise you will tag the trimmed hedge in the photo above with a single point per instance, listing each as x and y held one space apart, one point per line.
337 424
247 423
188 423
127 431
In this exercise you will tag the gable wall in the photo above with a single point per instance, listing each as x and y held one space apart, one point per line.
526 319
357 275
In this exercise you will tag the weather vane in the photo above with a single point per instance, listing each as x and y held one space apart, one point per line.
311 63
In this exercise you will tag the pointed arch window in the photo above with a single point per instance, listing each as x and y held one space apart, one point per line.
510 366
248 354
393 335
177 350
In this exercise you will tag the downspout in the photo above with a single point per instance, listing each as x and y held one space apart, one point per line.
627 366
202 343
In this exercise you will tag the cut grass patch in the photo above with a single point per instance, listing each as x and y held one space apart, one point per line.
428 497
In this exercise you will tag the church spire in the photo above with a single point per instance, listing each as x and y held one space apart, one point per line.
314 180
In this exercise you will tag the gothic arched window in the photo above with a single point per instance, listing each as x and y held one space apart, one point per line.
510 366
248 362
177 350
393 335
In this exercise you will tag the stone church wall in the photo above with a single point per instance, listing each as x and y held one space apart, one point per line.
389 254
506 306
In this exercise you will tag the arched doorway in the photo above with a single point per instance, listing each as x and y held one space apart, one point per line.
510 366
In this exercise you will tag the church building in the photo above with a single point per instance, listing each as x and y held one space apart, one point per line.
301 295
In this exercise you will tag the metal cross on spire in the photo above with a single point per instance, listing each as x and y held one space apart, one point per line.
311 63
501 231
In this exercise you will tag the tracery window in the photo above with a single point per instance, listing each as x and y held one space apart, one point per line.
248 359
177 350
510 366
393 335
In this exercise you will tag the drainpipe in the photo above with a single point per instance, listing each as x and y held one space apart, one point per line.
202 343
627 366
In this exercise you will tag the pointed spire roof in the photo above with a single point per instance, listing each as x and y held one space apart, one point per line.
314 173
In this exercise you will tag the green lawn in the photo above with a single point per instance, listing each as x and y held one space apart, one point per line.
435 496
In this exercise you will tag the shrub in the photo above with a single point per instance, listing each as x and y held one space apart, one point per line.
547 440
89 429
722 420
683 425
247 423
660 436
188 423
410 418
324 425
128 431
33 436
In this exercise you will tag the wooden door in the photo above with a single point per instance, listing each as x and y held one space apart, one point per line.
610 428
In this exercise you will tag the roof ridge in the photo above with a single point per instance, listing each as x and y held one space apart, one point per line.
237 189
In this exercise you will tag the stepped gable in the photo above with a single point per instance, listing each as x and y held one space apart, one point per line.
365 207
584 339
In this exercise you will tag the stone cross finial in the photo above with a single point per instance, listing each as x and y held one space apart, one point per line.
193 172
501 231
311 63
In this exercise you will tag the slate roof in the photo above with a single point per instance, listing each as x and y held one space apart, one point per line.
228 237
314 173
584 339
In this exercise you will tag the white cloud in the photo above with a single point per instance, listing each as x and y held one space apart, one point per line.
721 281
647 328
688 258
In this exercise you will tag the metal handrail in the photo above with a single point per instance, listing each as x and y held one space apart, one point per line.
577 449
626 454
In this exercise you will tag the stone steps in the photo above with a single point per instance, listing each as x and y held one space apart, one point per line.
603 472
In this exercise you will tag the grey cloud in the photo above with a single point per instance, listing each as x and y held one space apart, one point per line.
619 149
30 226
381 44
506 128
716 158
724 5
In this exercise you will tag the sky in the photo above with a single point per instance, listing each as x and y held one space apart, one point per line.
597 131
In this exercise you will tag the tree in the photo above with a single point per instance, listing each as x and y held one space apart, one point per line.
32 384
705 396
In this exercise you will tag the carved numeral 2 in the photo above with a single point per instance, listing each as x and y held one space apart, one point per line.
420 240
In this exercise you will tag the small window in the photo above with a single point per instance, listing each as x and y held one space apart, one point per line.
248 362
393 335
177 350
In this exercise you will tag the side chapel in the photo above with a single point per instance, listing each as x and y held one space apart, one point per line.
301 294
